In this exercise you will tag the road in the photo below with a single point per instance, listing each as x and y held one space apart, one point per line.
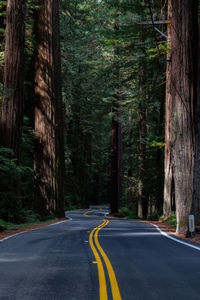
93 257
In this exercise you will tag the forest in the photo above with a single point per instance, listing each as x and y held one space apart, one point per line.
100 104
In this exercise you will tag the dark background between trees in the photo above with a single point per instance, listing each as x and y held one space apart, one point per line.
106 112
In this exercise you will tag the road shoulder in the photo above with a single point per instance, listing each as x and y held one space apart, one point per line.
7 233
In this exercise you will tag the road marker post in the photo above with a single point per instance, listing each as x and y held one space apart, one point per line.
191 223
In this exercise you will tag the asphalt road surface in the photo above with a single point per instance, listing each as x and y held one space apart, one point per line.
96 258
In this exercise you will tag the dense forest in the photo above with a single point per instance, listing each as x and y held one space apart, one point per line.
100 104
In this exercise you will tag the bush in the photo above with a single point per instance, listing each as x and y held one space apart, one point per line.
13 180
171 219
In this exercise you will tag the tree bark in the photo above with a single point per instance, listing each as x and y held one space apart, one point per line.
140 160
167 207
13 78
49 154
184 62
116 160
197 144
142 135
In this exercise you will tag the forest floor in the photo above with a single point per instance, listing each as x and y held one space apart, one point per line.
6 233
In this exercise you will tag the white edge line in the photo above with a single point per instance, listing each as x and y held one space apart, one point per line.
69 218
105 215
19 233
11 236
174 239
54 224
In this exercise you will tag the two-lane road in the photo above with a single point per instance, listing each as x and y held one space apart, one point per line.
93 257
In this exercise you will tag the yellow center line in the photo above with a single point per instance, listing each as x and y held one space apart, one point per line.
102 279
113 281
89 211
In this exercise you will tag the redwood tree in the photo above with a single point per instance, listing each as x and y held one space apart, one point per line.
180 117
49 151
116 159
13 77
197 144
168 186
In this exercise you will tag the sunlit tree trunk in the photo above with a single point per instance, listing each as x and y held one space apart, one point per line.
168 125
13 78
49 154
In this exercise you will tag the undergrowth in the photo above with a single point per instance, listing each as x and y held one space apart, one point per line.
171 219
4 225
127 213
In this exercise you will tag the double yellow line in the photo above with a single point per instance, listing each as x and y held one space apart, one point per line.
89 211
95 246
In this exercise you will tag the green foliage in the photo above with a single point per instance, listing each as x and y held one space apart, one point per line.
31 218
11 183
161 50
126 213
5 93
1 57
154 217
171 219
157 144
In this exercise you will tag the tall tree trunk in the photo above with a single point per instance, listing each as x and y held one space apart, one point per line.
197 148
159 161
142 133
2 35
168 125
131 199
184 62
13 77
49 154
116 160
140 162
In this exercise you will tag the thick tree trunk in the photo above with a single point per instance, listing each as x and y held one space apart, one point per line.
168 126
197 148
49 154
184 62
13 77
